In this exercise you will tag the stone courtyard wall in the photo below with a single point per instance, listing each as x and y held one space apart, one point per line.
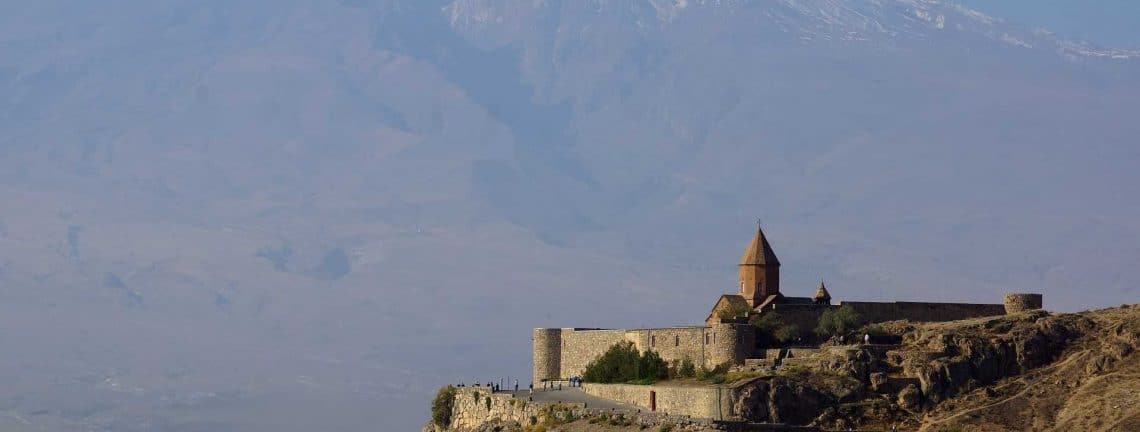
709 402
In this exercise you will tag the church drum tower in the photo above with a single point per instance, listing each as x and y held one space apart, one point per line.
759 271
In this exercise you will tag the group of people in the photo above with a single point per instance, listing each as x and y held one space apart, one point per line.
495 387
574 381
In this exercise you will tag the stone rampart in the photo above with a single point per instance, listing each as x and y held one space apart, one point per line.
580 347
560 353
475 406
922 312
709 402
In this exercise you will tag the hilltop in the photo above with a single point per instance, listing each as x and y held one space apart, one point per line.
1026 371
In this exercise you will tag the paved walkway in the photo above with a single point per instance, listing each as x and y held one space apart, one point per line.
573 395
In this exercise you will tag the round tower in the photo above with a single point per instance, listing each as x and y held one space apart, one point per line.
1021 302
731 343
547 354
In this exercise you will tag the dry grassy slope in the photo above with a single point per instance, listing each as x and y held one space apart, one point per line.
1094 385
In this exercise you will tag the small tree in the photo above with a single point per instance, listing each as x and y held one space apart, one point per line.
687 369
787 332
622 363
771 329
442 405
838 321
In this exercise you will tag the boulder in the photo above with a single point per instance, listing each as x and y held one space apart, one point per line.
909 398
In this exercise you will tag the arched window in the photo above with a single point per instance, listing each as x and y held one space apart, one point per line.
676 341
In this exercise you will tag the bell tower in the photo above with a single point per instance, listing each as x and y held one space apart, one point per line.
759 270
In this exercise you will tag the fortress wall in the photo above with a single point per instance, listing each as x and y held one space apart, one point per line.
677 344
471 411
694 401
916 311
560 353
580 347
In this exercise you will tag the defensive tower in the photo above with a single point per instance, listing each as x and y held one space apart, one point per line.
547 354
1020 302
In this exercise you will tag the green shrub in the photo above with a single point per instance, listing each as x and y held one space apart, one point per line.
734 312
771 329
716 375
687 369
875 330
838 321
787 333
623 364
441 406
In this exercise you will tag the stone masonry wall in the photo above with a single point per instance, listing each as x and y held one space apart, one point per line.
1021 302
923 312
580 347
470 410
473 413
560 353
676 344
711 402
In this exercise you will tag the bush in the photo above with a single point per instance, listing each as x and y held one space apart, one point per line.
733 312
623 364
717 375
687 369
771 329
838 321
876 330
441 406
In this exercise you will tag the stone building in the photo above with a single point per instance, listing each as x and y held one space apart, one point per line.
727 336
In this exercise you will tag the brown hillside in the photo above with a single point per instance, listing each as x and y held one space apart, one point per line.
1093 385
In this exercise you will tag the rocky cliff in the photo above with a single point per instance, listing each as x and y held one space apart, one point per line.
1030 371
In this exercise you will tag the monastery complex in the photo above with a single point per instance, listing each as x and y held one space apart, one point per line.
727 335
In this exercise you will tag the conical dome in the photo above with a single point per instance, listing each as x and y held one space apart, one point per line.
759 252
821 294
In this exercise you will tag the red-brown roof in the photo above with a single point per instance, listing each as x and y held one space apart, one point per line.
759 252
